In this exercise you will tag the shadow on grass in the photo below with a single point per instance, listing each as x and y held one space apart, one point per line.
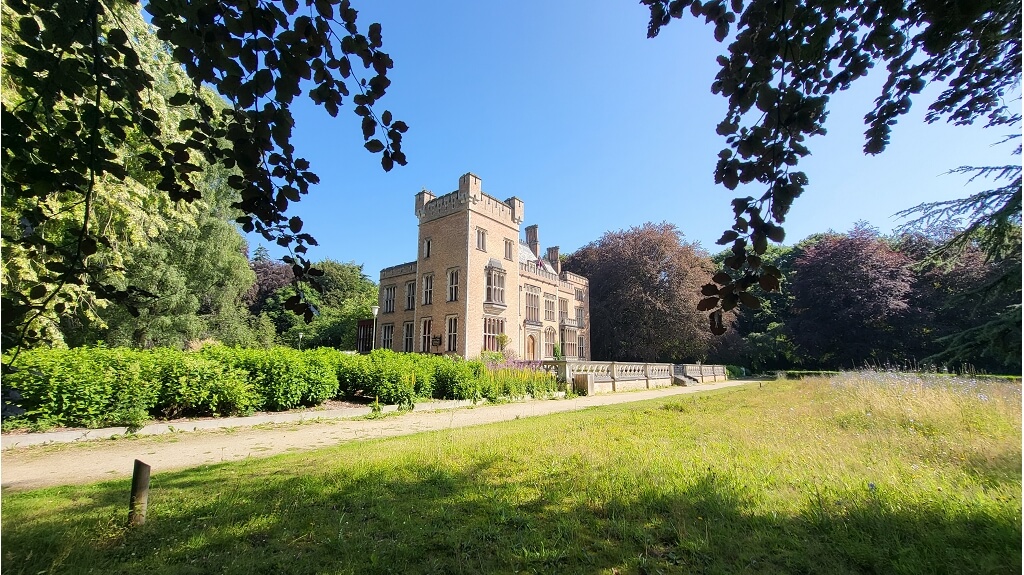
419 518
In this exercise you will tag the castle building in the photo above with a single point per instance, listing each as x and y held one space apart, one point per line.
476 286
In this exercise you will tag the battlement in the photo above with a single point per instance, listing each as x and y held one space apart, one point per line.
399 270
469 196
574 278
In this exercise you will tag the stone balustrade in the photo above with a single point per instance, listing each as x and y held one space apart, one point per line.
700 373
592 377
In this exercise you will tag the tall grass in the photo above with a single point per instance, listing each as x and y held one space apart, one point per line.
858 474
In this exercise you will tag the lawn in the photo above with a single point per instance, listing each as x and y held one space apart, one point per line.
855 474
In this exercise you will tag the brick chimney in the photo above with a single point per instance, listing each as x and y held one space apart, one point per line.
553 259
532 240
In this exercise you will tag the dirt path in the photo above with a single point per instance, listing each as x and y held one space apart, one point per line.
85 462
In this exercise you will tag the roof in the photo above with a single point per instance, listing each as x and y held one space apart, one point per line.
526 255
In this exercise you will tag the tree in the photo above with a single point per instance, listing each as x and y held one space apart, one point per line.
956 301
764 342
787 58
271 276
82 112
643 284
346 298
851 299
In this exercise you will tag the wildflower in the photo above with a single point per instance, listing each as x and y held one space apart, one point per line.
871 486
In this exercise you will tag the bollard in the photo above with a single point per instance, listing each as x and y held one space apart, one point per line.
140 495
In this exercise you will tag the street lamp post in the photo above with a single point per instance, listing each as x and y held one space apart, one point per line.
373 338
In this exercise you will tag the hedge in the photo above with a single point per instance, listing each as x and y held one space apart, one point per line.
99 386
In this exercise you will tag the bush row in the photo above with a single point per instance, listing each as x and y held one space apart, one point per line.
98 387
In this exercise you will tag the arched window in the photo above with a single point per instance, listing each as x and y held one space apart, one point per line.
549 343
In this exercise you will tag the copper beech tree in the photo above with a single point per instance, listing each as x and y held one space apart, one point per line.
643 289
786 58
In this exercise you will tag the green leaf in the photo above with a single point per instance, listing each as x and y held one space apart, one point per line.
727 237
179 99
89 246
374 146
264 82
374 34
325 8
37 292
716 324
28 29
369 127
760 243
750 300
707 304
775 233
295 224
768 282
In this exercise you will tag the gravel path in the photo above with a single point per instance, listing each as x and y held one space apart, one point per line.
31 461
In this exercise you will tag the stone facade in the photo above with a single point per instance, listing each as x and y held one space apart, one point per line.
475 279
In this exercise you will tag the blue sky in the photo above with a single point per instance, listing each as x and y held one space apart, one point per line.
570 107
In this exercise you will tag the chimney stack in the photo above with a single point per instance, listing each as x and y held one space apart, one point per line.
553 259
532 240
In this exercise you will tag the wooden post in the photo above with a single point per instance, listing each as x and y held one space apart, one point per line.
140 495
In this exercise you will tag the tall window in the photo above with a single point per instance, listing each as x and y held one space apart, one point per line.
579 317
508 249
532 303
453 333
428 290
549 307
581 343
389 299
493 327
453 285
481 239
495 285
407 329
579 294
425 335
426 248
387 335
410 295
569 343
563 309
549 342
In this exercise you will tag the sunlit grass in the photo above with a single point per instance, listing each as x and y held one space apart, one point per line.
855 474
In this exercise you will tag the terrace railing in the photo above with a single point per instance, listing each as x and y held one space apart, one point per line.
610 376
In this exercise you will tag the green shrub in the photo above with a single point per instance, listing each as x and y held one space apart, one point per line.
321 375
284 378
193 385
352 374
94 387
735 371
390 377
85 387
794 374
455 379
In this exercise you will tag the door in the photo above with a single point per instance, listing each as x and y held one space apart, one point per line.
531 348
